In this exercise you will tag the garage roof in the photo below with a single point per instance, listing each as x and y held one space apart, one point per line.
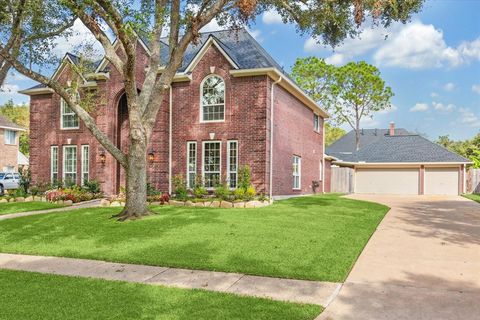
377 146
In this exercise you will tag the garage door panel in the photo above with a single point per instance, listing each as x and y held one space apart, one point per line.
441 181
387 181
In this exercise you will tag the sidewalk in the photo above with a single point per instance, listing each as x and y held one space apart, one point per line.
81 205
299 291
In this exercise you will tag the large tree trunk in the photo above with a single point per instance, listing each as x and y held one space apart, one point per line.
136 182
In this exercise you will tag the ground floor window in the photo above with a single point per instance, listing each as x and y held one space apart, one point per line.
70 164
232 163
85 164
191 164
297 169
211 163
54 164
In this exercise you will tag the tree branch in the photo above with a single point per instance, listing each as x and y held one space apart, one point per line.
72 103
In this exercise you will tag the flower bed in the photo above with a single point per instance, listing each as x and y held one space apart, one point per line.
202 203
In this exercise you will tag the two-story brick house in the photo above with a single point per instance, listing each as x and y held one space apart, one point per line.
230 105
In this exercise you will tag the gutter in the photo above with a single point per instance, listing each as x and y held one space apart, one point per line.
170 126
373 164
272 96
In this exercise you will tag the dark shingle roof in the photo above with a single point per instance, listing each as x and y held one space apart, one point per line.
7 123
382 148
238 44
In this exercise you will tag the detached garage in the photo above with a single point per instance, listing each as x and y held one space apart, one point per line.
396 161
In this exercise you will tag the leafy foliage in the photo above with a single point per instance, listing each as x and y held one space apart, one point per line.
332 134
19 114
180 187
469 148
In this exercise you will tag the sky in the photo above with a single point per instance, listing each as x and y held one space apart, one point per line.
432 65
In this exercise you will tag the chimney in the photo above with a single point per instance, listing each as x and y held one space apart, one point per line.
392 128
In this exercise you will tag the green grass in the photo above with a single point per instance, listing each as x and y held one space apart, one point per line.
474 197
314 238
15 207
25 295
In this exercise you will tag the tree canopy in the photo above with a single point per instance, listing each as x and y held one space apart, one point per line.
350 92
179 23
19 114
469 148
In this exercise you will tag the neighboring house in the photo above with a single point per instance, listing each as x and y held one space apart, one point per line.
395 161
230 105
9 145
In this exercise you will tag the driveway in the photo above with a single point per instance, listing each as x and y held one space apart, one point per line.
423 262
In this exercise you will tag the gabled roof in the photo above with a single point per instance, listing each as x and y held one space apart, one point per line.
6 123
377 146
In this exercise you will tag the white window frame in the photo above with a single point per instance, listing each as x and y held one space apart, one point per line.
229 171
53 163
316 122
85 166
64 163
321 170
189 144
62 104
297 174
7 136
224 99
203 160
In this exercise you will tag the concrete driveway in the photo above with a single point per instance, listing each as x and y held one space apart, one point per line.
423 262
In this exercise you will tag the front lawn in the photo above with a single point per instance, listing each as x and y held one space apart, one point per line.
25 295
15 207
474 197
314 238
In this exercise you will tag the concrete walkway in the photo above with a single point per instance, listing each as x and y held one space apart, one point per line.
299 291
423 263
81 205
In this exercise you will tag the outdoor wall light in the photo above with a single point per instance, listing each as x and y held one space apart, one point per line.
151 155
103 157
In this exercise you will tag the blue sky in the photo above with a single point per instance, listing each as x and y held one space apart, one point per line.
432 65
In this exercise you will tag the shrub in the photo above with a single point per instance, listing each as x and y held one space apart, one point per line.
222 191
244 177
164 198
200 192
25 179
92 186
152 191
262 197
180 187
250 193
239 194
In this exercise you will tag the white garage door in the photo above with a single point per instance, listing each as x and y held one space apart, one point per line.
441 181
387 181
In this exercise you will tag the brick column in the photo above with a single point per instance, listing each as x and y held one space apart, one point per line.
421 187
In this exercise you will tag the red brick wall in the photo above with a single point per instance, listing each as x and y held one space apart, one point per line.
246 120
294 135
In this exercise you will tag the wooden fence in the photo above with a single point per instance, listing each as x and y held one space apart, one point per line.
473 181
342 180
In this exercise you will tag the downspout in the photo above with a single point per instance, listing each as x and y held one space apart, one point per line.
170 126
323 156
271 136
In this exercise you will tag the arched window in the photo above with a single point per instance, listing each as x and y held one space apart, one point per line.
212 99
68 118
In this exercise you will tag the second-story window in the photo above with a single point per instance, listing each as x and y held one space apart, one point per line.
316 123
68 118
212 99
10 137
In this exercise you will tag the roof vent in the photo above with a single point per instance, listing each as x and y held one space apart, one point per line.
392 128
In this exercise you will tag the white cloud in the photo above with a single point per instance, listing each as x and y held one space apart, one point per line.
467 117
256 34
368 123
369 39
476 88
434 95
80 37
271 17
443 107
419 46
419 107
450 86
392 109
8 89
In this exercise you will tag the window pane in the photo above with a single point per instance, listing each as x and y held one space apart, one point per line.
69 118
211 152
213 99
191 163
70 164
232 163
85 164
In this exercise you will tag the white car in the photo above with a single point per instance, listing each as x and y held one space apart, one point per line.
8 181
